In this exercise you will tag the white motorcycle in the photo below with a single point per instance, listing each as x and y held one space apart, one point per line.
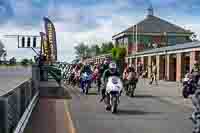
113 92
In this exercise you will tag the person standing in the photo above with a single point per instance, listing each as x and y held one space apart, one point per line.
153 74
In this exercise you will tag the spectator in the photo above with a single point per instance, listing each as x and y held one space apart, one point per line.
153 74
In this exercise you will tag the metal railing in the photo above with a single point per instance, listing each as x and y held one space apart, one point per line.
13 105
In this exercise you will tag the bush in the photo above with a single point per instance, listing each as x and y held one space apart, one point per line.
25 62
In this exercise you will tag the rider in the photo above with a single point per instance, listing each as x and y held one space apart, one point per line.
102 68
129 76
196 71
86 69
111 71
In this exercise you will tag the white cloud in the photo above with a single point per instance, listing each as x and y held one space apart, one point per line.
90 24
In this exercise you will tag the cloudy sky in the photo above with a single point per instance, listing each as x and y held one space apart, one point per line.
90 21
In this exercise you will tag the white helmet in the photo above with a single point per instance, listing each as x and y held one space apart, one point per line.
112 66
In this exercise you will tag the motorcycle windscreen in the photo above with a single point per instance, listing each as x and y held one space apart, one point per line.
114 84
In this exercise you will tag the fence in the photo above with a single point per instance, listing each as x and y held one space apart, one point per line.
17 105
13 106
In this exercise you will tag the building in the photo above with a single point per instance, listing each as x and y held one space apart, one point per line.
157 41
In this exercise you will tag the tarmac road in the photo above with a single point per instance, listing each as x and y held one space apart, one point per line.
10 77
145 113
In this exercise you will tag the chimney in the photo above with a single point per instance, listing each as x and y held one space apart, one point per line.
150 11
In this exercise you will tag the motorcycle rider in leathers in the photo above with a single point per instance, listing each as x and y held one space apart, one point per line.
196 72
111 71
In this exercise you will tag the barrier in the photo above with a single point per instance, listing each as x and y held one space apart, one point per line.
17 105
13 105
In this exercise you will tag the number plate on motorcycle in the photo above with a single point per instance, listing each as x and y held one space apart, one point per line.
114 80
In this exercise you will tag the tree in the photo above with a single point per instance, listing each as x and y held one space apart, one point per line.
95 50
31 61
119 54
25 62
110 45
193 37
106 47
81 50
12 61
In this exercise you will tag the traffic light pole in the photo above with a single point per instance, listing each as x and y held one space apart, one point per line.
35 51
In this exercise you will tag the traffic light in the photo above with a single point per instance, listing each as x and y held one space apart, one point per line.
23 41
29 42
34 42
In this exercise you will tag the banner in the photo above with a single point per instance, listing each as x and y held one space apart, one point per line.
44 47
51 39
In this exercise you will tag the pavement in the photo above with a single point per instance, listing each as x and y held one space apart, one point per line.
168 91
51 114
154 109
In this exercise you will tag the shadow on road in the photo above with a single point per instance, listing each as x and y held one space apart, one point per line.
135 112
144 96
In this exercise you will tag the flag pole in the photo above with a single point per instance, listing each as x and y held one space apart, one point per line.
136 39
133 38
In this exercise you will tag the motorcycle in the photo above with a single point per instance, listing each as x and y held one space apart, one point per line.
113 92
131 86
96 79
85 82
188 86
196 114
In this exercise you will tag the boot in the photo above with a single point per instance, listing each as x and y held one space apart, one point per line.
102 98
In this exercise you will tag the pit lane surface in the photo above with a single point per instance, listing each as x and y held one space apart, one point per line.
145 113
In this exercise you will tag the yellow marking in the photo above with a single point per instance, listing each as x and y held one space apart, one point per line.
68 119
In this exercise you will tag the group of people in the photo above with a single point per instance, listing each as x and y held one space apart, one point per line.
101 71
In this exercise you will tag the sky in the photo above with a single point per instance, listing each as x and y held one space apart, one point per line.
89 21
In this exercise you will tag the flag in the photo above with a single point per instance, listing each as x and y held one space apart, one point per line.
44 47
51 39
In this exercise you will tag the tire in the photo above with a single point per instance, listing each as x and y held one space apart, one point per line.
131 90
133 86
184 92
132 93
127 90
114 105
86 88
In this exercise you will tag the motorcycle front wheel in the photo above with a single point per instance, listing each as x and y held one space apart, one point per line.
86 88
132 90
185 92
114 104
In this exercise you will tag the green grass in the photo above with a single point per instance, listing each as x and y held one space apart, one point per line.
9 65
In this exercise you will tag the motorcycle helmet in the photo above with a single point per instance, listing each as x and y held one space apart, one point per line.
113 67
105 62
